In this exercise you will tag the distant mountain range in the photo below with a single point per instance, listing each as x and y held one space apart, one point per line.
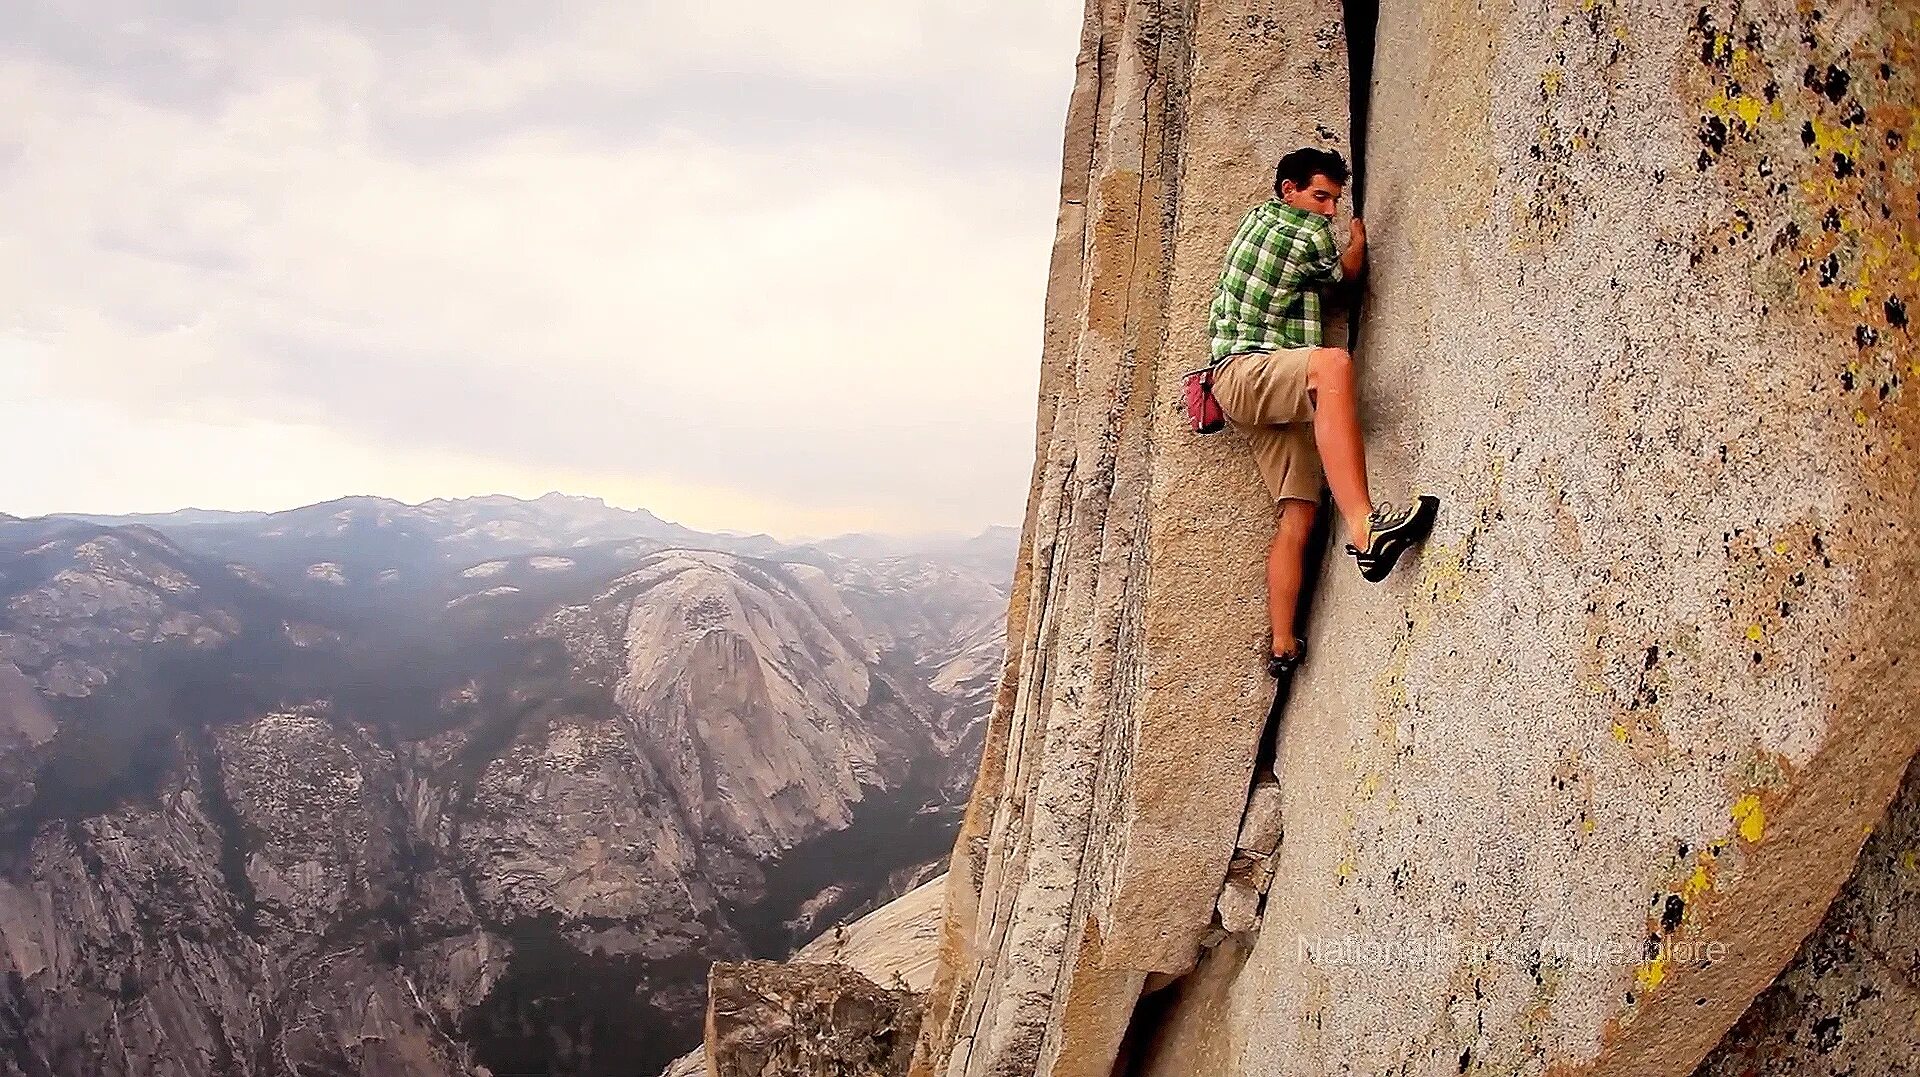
386 789
392 536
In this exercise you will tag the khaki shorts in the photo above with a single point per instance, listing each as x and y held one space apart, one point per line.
1264 395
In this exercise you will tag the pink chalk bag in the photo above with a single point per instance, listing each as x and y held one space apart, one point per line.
1203 411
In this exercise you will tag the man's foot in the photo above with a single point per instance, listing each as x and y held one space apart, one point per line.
1391 532
1281 666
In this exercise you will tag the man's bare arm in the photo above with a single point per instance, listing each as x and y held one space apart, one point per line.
1355 256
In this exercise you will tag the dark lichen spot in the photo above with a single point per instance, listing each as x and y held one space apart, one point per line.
1829 270
1466 1059
1842 166
1854 116
1673 913
1831 222
1896 312
1653 657
1866 336
1846 380
1833 83
1807 137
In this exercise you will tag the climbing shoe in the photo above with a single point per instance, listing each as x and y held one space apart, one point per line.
1391 531
1281 666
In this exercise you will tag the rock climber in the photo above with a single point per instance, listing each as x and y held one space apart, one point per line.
1292 397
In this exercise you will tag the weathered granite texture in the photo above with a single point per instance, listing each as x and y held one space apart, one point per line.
1567 792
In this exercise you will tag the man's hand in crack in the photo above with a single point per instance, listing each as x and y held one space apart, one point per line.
1355 257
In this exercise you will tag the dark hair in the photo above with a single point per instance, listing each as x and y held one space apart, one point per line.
1303 164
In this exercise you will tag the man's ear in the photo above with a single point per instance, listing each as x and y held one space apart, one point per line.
1288 187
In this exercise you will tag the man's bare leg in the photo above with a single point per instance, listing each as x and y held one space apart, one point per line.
1286 562
1336 432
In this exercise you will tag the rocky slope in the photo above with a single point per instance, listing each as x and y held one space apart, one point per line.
249 832
895 947
1572 789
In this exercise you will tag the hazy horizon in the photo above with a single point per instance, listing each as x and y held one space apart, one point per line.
788 537
765 273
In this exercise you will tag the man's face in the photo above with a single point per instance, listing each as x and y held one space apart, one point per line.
1321 195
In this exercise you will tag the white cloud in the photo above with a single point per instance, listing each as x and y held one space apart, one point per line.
688 303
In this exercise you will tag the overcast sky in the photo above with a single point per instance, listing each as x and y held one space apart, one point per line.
750 266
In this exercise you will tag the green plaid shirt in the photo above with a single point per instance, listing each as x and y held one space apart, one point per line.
1269 292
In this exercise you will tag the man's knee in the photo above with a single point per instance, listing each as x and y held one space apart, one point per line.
1331 366
1295 522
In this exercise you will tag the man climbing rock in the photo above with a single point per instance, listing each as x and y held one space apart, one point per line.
1294 398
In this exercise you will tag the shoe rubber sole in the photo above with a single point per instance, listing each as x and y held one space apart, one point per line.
1376 564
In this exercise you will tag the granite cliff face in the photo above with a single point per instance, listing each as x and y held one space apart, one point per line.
250 833
1568 792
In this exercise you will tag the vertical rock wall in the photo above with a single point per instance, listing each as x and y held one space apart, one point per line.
1570 789
1120 750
